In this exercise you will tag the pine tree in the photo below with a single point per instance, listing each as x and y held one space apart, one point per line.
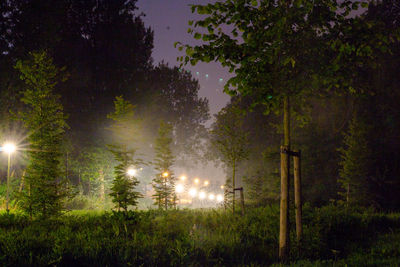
123 191
164 181
356 159
44 118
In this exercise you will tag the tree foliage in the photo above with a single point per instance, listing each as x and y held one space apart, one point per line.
164 181
123 189
45 190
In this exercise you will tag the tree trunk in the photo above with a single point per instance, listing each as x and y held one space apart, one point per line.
233 186
297 195
285 164
242 200
21 184
101 176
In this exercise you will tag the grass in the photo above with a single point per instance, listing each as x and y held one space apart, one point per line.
198 238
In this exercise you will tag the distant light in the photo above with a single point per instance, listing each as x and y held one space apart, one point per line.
179 188
207 76
141 169
192 192
196 180
165 174
202 195
131 172
9 148
197 73
183 178
206 183
222 186
220 198
211 196
221 80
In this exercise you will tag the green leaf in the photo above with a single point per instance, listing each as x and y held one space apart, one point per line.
197 36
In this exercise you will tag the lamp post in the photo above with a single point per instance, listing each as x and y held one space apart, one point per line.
8 148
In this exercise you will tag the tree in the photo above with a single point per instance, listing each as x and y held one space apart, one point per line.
356 161
44 118
124 184
164 181
281 51
229 139
171 95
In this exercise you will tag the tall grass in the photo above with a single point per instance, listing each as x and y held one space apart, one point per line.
192 238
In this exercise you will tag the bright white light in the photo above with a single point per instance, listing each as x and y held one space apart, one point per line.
202 195
183 178
192 192
206 183
222 186
196 180
9 148
179 188
220 198
211 196
131 172
165 174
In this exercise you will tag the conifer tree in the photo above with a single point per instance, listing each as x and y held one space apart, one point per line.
43 117
164 181
356 158
123 191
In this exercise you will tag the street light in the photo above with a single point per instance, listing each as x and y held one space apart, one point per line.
196 180
222 186
220 198
192 192
183 178
206 183
202 195
179 188
131 172
9 148
165 174
211 196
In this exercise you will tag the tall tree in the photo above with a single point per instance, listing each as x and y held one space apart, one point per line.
280 52
230 140
44 118
123 189
164 181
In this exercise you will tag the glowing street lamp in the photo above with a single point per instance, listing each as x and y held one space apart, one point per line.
9 148
179 188
192 192
131 172
220 198
183 178
222 186
202 195
165 174
196 180
211 196
206 183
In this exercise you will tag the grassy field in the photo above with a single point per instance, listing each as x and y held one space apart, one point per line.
332 236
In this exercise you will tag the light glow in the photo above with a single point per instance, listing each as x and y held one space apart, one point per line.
179 188
206 183
202 195
220 198
192 192
222 186
183 178
211 196
9 148
165 174
131 172
196 180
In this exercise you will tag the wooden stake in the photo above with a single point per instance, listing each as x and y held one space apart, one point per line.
297 194
284 208
242 200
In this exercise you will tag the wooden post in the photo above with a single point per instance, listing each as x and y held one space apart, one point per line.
242 200
21 184
297 194
284 208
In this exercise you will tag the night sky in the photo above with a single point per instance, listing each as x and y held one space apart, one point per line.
169 20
